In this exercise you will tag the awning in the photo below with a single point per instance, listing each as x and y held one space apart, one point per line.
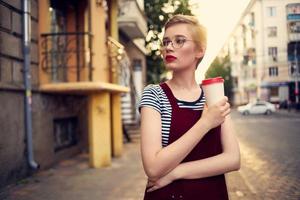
273 84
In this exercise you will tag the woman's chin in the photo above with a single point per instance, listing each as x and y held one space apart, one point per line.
170 66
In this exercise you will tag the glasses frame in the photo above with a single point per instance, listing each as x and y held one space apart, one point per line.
172 41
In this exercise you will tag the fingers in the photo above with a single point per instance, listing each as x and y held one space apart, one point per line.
150 184
155 187
225 107
223 101
225 110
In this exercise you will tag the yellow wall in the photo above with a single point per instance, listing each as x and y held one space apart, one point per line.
44 22
100 64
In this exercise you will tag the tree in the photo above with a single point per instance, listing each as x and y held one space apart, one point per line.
222 67
157 13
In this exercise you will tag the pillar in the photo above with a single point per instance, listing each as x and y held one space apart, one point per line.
99 129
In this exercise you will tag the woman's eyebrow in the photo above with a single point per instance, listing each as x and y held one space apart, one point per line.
174 36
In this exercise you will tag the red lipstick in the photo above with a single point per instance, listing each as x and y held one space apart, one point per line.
170 58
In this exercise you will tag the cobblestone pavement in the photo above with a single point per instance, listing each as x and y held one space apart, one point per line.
262 176
270 154
123 180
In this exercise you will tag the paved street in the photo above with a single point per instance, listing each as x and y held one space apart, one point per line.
270 154
270 162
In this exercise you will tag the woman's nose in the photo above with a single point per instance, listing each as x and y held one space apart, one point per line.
169 45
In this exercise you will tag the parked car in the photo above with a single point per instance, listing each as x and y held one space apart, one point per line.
259 107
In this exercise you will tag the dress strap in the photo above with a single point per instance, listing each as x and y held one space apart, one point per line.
170 95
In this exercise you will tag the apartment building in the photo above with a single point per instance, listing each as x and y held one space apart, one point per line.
262 49
60 88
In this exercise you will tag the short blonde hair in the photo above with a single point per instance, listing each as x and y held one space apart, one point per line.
198 31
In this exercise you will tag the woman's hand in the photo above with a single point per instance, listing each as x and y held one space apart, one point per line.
215 115
161 182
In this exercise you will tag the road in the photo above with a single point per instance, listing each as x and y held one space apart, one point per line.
270 147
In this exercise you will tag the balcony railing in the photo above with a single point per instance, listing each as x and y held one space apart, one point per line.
119 62
67 57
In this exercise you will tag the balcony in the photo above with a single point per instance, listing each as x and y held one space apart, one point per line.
66 57
131 20
67 61
249 57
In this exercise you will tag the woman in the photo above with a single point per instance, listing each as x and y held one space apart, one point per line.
186 147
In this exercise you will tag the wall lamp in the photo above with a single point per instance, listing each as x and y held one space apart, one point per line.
99 2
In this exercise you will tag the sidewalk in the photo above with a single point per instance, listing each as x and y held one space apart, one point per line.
292 112
123 180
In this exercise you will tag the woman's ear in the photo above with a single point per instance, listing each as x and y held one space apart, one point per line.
200 52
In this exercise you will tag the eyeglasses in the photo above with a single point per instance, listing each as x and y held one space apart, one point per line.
177 42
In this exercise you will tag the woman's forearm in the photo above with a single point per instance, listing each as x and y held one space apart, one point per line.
212 166
169 157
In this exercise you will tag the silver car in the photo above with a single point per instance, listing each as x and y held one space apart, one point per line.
259 107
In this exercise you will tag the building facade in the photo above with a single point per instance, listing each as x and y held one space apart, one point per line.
262 49
132 32
73 102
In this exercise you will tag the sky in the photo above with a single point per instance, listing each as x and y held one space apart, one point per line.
220 17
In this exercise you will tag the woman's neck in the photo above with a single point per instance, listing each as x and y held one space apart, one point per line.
183 81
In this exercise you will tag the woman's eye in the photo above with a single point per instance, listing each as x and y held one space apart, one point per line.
179 40
166 42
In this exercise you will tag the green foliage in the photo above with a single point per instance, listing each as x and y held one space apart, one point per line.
222 67
157 13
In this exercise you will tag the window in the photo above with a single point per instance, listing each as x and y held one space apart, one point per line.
274 92
244 35
273 53
252 19
294 27
65 133
254 73
272 31
273 71
271 11
235 81
253 33
137 64
293 69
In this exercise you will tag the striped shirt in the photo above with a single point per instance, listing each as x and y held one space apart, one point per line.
154 97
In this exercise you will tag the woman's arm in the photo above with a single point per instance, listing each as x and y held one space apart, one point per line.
158 161
228 160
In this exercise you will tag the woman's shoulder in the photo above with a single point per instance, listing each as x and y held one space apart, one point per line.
151 97
153 88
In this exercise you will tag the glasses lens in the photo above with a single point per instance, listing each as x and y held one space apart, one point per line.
165 43
178 42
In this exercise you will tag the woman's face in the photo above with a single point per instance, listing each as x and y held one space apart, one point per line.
179 49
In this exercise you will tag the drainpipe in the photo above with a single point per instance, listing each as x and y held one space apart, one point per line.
27 84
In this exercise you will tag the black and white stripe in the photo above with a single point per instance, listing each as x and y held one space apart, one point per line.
153 96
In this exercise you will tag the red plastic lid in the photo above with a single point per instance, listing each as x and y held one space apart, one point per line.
208 81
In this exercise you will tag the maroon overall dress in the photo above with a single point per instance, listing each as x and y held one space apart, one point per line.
211 188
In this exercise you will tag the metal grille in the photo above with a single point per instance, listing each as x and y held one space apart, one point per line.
65 55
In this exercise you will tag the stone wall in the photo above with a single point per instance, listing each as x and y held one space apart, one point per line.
11 55
45 107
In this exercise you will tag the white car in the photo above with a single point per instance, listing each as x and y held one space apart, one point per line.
259 107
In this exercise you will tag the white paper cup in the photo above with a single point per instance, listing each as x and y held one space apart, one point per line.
213 89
